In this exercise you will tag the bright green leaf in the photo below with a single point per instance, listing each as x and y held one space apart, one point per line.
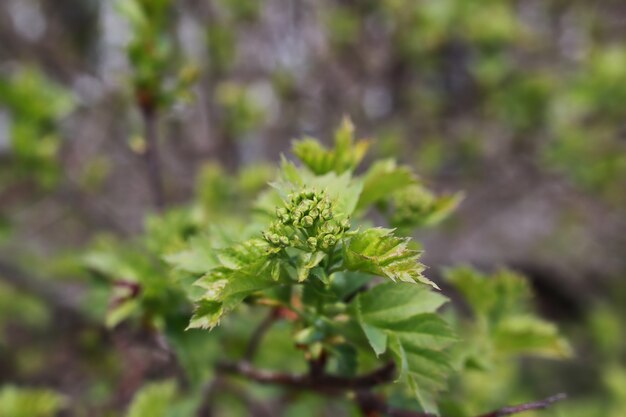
377 251
383 179
153 400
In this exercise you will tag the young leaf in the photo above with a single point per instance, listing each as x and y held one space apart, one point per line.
198 258
377 251
528 335
306 262
153 400
399 317
383 179
345 156
343 190
245 269
416 206
506 325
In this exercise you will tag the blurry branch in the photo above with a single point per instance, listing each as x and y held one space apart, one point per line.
153 163
537 405
369 403
323 383
255 407
60 298
99 212
259 333
373 405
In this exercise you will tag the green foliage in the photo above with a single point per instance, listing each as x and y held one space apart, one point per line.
153 400
303 255
500 328
501 304
400 317
241 113
152 54
345 156
472 85
35 105
29 402
377 251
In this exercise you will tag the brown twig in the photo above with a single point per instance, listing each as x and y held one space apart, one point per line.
372 405
259 333
153 163
324 383
536 405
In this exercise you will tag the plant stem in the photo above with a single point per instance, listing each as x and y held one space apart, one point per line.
371 404
324 383
536 405
153 163
259 333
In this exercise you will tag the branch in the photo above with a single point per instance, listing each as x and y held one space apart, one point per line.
259 333
153 162
371 405
327 384
537 405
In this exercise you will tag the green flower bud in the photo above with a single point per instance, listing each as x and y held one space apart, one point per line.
307 221
328 241
284 240
274 238
312 242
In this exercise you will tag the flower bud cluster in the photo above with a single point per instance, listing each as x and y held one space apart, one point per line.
306 222
412 205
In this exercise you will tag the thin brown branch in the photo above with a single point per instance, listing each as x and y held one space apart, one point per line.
536 405
326 384
259 333
153 163
372 405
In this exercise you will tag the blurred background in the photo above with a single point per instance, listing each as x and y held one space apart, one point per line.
519 104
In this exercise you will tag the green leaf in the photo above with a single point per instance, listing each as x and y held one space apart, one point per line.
383 179
399 317
198 258
442 208
27 402
306 262
121 312
502 294
244 269
376 337
505 324
206 315
345 283
390 303
424 371
528 335
153 400
416 206
343 190
346 359
377 251
345 156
